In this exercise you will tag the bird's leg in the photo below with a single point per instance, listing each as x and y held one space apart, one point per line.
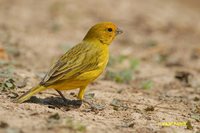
71 102
81 93
81 96
63 97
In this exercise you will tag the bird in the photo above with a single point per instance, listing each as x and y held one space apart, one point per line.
80 65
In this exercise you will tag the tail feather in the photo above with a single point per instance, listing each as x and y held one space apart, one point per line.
29 93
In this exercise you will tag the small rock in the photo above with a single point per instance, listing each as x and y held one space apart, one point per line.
196 99
184 77
116 103
149 108
131 125
72 93
55 116
3 124
13 95
22 84
51 107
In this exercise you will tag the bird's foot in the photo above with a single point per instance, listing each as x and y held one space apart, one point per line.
94 107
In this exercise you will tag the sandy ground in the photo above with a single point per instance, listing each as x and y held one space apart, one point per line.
159 93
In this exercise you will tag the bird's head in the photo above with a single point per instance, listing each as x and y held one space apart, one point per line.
103 32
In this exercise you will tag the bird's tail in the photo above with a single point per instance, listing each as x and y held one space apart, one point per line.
30 93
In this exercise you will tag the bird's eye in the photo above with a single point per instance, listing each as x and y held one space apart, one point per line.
110 29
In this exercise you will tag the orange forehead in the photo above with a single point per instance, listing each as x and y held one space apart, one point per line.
106 25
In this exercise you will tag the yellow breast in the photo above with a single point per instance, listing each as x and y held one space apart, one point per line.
102 63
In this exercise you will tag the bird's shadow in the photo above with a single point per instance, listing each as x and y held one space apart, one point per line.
56 102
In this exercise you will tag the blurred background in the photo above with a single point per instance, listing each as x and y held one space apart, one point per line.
158 54
158 35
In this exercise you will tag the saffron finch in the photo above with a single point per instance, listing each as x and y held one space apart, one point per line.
81 65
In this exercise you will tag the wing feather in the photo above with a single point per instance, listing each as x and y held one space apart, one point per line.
76 61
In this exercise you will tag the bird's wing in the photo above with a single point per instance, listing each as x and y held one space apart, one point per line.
78 60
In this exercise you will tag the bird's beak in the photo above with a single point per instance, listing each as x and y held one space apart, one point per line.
119 31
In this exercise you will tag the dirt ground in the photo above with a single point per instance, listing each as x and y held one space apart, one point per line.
152 82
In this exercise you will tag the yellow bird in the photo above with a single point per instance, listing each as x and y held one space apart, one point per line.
81 65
